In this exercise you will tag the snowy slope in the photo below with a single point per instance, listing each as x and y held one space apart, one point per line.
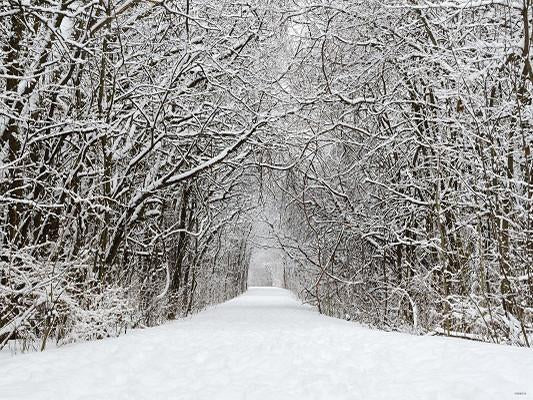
265 345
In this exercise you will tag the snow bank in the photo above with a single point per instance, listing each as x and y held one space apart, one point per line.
265 345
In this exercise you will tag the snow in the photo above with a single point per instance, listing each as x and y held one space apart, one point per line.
265 345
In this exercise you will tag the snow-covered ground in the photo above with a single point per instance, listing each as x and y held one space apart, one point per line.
265 345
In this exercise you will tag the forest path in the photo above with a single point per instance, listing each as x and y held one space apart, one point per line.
265 345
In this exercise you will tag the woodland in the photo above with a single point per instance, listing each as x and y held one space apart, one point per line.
386 144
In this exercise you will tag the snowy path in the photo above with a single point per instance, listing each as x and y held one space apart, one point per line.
264 345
